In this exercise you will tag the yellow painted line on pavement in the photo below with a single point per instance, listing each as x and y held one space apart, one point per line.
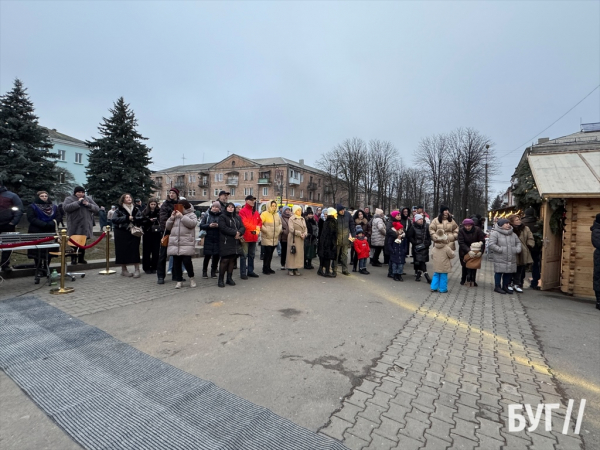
543 369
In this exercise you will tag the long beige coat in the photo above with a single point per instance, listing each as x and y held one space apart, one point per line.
527 241
297 227
450 229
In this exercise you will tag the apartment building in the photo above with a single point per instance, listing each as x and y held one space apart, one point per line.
288 181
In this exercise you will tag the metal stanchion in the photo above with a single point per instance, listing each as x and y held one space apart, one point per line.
63 266
107 271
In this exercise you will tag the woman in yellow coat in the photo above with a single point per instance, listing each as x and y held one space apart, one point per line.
295 242
270 231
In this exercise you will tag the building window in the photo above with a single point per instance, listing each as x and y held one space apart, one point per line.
245 176
310 195
291 192
205 180
204 192
301 193
61 178
318 196
265 191
251 176
218 177
301 178
191 178
62 155
248 191
78 158
232 163
319 182
291 173
192 192
217 192
232 192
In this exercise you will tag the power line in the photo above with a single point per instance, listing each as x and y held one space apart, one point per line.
531 139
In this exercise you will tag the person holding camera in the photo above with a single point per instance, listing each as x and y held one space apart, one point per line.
80 210
252 223
295 248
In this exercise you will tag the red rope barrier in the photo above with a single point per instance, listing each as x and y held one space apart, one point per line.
23 244
85 247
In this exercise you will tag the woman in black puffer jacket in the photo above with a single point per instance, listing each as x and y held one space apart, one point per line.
231 231
210 224
468 233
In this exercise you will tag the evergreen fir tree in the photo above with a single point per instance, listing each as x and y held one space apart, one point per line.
118 161
26 161
525 192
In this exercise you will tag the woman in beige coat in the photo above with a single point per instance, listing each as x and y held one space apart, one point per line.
297 232
182 241
445 222
524 258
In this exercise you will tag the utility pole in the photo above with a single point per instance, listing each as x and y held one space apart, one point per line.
487 202
183 158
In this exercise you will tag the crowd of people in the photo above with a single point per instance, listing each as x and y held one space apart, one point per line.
330 235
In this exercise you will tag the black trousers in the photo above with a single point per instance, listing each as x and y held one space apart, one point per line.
376 253
519 276
268 256
215 263
161 265
420 266
178 262
150 251
5 261
283 253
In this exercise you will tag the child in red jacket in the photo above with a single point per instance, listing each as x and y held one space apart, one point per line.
362 249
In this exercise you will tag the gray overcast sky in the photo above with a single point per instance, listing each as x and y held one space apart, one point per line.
293 79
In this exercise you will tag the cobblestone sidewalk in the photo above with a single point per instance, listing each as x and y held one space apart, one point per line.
447 378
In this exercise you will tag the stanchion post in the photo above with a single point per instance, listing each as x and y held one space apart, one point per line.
107 271
63 266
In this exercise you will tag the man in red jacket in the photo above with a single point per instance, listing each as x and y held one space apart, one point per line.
252 223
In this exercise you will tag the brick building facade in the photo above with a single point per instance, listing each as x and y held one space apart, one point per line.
265 178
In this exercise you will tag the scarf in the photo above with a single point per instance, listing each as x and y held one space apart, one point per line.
44 211
129 208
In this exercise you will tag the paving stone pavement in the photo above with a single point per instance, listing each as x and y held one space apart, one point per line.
95 293
447 378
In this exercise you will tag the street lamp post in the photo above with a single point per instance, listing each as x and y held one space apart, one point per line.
487 202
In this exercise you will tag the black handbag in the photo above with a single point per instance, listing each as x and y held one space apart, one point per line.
420 247
293 247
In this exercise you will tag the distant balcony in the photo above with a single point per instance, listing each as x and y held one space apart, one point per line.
203 183
232 181
265 180
312 186
294 181
179 185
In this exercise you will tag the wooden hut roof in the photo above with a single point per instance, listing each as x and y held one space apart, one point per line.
567 175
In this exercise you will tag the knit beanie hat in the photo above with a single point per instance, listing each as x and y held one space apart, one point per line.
78 189
441 236
418 217
359 230
394 213
379 211
340 208
397 225
444 208
296 208
501 222
175 190
216 205
332 212
468 222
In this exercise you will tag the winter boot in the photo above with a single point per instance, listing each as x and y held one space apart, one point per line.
205 274
364 272
230 281
396 278
320 272
427 277
221 282
418 275
213 273
81 260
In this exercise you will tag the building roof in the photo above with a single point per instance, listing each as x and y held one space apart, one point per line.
187 168
567 174
63 137
260 161
580 141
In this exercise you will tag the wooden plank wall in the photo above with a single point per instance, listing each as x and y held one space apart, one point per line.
578 260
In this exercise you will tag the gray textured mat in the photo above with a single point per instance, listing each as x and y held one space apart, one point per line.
108 395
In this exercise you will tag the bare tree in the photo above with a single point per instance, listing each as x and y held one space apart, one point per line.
330 164
433 155
352 156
